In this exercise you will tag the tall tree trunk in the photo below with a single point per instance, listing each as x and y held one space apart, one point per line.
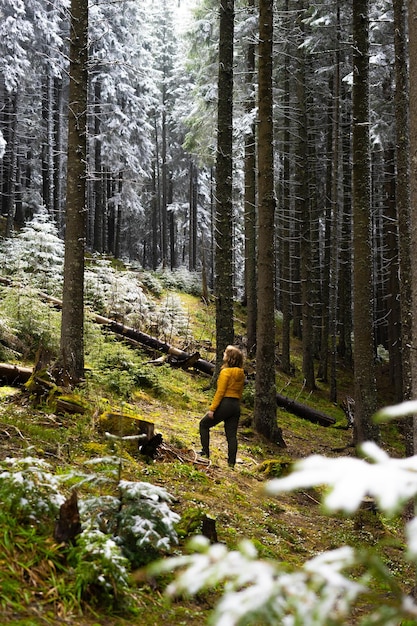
250 198
154 214
412 37
265 411
48 147
392 299
323 370
224 208
156 203
192 255
285 216
98 181
164 180
10 181
71 357
402 197
335 220
58 156
119 214
344 349
364 362
303 204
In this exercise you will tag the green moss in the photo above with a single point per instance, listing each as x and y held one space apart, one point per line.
275 468
191 521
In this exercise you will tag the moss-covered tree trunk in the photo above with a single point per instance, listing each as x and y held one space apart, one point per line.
71 358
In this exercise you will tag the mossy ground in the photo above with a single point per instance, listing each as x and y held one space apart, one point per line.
291 528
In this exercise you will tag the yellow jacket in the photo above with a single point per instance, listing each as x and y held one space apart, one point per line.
229 385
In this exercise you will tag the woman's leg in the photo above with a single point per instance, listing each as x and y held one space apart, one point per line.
229 410
230 428
205 424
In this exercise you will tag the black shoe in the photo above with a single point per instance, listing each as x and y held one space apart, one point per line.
231 465
204 454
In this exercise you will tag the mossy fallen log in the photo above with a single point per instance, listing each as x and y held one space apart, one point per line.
304 411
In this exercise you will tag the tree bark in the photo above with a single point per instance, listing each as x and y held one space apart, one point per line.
48 147
224 188
402 198
70 364
285 215
344 347
192 255
364 362
303 205
11 162
250 199
335 219
265 413
58 156
392 290
412 30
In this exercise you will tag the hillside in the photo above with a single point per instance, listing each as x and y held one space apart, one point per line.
290 528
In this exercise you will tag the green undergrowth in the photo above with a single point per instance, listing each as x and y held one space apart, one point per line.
290 528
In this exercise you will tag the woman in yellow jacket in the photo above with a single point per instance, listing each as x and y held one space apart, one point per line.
225 406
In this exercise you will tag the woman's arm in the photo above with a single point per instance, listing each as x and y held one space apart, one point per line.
220 391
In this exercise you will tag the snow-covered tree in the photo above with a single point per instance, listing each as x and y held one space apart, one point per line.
35 254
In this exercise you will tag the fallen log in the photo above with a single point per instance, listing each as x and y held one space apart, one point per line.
304 411
13 374
186 363
152 342
179 357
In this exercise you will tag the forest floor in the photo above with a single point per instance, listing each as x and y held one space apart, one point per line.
290 528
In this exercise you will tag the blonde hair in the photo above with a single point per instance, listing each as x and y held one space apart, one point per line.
233 357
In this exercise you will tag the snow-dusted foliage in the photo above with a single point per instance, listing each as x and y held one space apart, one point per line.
16 32
264 592
181 279
29 490
124 84
138 518
118 532
116 293
120 295
98 562
35 254
324 590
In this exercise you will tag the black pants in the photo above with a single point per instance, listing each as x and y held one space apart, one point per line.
228 412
